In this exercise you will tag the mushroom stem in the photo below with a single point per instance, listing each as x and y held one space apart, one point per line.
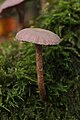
21 12
40 76
42 3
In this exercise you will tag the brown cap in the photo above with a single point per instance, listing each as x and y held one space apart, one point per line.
38 36
9 3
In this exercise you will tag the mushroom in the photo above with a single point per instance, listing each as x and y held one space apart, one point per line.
18 4
39 37
10 3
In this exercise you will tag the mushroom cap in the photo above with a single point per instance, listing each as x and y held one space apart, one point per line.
9 3
38 36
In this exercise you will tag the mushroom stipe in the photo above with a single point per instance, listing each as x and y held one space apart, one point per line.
40 75
39 37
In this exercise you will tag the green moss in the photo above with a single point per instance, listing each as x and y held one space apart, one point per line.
20 95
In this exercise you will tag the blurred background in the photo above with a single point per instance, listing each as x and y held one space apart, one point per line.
17 15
